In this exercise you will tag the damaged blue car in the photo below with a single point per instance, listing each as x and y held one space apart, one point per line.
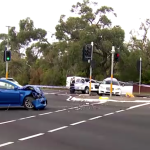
28 96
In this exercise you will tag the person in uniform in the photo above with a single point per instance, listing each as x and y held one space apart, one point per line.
72 88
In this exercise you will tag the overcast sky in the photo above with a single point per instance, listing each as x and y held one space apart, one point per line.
46 13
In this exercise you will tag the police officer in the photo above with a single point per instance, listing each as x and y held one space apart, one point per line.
72 88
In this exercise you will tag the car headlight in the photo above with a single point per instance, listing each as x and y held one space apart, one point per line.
118 89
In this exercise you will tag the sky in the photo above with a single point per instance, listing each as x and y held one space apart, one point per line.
46 13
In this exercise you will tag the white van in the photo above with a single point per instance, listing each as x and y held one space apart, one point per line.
82 84
77 79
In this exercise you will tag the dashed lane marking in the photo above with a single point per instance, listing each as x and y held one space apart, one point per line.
60 128
76 123
45 113
119 111
5 144
109 114
60 110
42 114
32 136
26 117
7 122
136 106
95 118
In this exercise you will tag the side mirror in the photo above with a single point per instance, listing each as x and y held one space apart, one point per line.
15 88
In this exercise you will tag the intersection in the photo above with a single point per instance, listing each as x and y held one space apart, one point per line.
70 125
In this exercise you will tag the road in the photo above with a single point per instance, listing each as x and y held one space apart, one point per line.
67 125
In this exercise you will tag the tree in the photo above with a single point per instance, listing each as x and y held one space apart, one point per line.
141 46
91 26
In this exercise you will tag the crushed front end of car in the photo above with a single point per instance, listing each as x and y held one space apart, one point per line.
40 101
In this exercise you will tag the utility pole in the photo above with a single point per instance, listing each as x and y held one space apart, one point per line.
91 68
112 65
7 50
140 75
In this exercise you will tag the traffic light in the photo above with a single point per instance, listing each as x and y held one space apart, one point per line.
87 49
7 55
116 57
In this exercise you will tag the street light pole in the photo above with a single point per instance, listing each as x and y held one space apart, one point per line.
7 50
112 65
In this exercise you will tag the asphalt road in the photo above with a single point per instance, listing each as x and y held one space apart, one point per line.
67 125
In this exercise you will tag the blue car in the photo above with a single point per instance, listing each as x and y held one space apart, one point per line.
28 96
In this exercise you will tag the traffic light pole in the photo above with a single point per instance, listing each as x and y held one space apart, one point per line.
140 75
112 65
7 49
91 69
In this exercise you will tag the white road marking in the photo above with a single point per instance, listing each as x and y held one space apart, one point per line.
119 111
5 144
7 122
108 114
26 117
60 110
58 129
132 107
63 127
68 99
45 113
95 118
73 107
32 136
78 122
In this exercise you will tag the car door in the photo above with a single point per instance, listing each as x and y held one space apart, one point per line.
7 93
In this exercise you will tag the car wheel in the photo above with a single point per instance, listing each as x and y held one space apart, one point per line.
83 92
28 102
86 90
100 94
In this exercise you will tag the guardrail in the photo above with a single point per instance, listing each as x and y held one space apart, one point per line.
51 87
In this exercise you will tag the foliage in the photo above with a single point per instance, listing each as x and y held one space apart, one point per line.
50 63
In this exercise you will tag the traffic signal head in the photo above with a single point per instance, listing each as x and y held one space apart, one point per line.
7 55
87 50
116 57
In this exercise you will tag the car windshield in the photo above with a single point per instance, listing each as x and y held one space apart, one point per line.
17 84
109 81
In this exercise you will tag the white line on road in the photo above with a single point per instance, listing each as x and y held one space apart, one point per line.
95 118
32 136
60 110
108 114
73 108
132 107
41 114
7 122
68 99
5 144
58 129
45 113
77 123
26 117
119 111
